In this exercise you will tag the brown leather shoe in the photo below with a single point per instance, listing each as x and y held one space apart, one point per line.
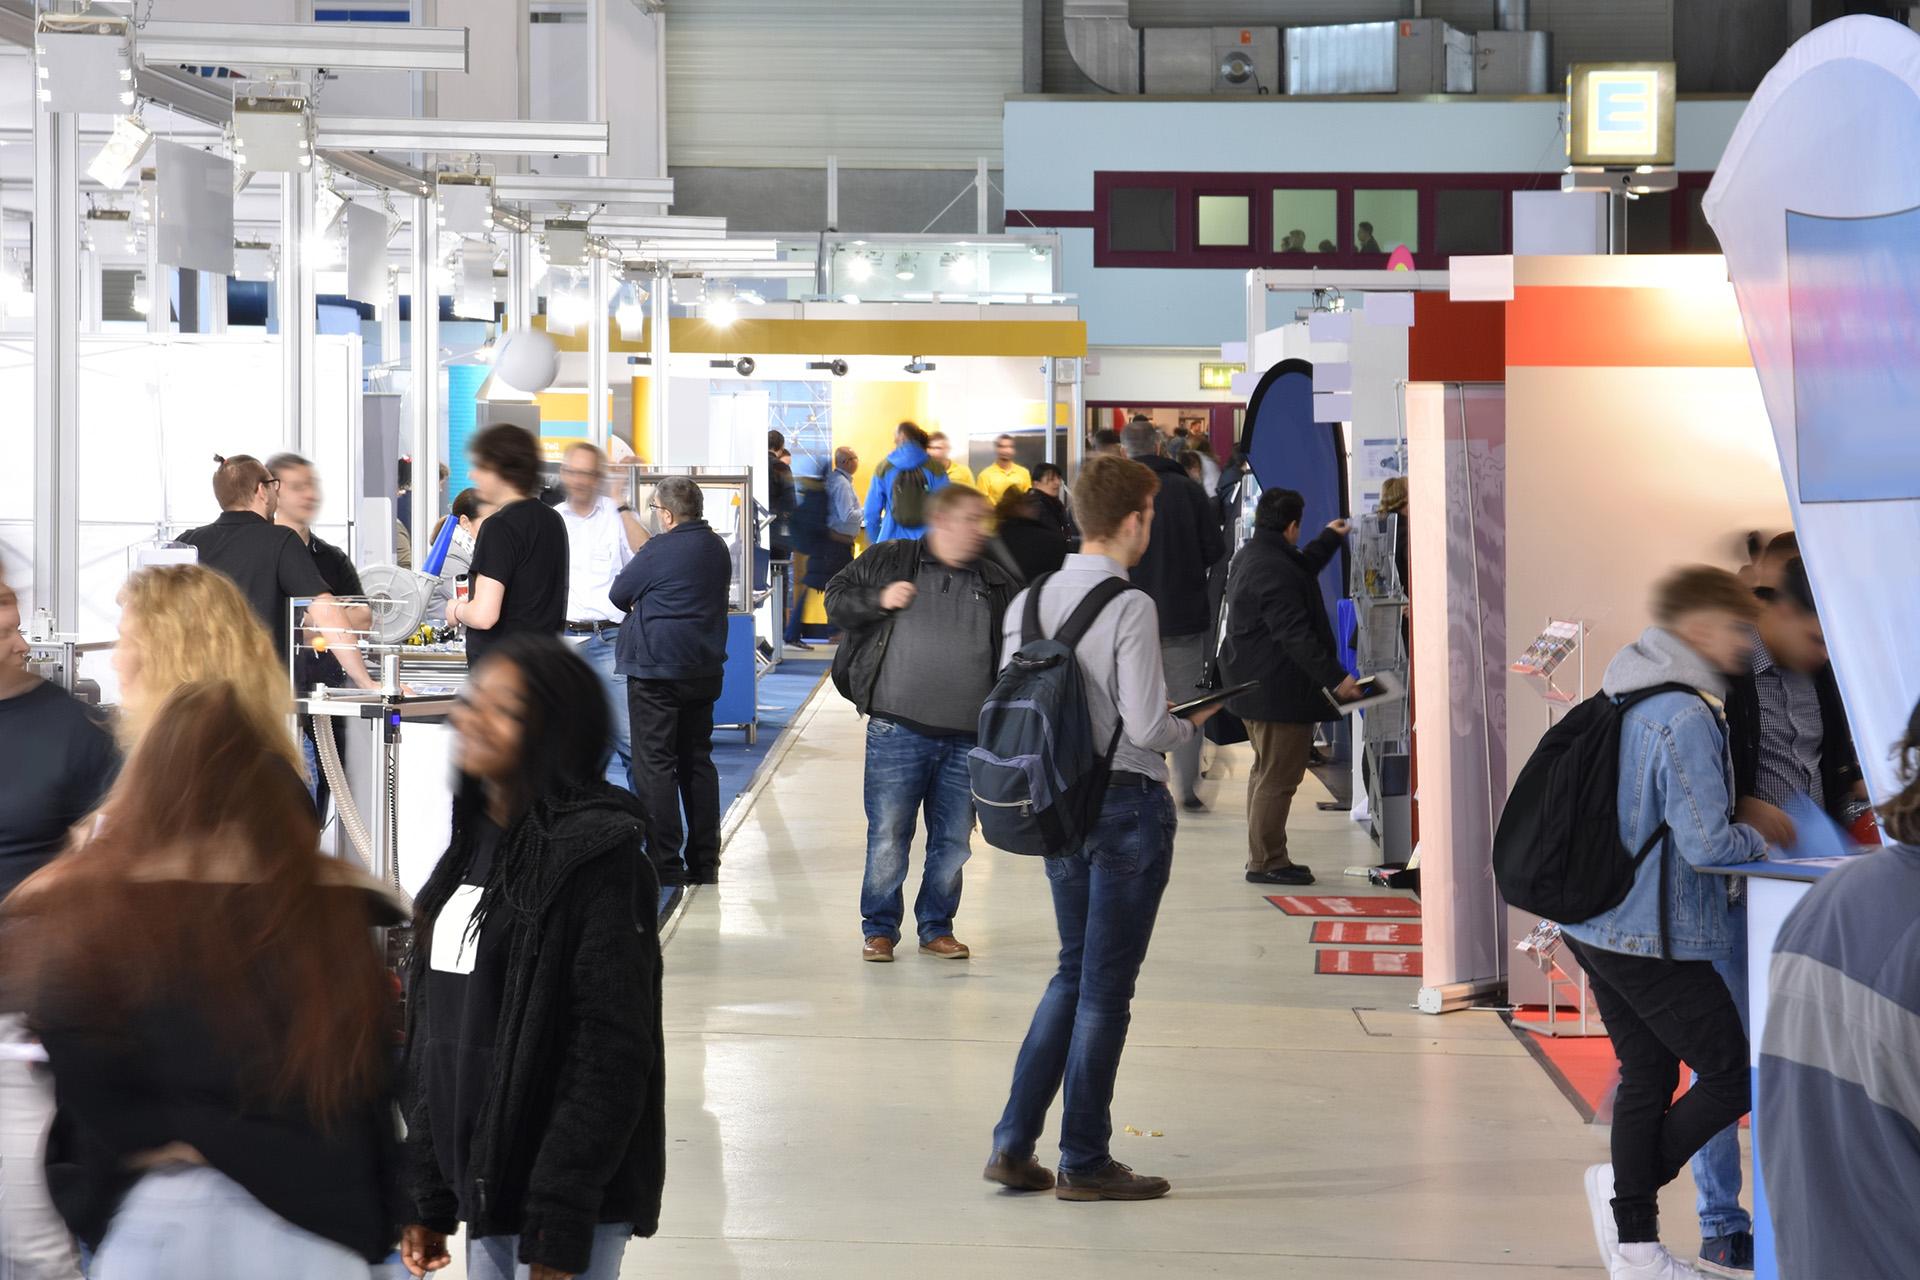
947 947
1114 1182
877 950
1020 1175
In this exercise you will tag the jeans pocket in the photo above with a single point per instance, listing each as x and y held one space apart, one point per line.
1059 868
878 728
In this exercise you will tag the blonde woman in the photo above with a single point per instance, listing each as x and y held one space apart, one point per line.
185 623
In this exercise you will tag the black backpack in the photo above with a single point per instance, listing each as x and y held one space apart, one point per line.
907 499
1557 852
1038 778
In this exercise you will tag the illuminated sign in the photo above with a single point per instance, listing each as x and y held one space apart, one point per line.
1217 375
1620 113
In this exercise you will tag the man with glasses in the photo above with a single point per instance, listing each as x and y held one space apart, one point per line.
270 563
602 536
673 653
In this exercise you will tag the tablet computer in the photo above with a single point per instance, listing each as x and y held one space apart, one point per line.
1208 699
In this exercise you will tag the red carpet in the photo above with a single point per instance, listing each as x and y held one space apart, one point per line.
1583 1067
1359 933
1294 905
1377 964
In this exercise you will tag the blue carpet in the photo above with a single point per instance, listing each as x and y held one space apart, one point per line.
783 691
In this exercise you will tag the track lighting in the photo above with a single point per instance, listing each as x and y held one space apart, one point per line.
837 367
744 366
917 365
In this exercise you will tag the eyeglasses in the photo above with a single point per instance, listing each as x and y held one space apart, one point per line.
576 471
654 506
272 482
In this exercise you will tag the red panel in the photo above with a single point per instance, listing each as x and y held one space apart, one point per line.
1365 933
1333 905
1568 326
1373 964
1456 341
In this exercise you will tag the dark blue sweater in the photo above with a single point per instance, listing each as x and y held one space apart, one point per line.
675 593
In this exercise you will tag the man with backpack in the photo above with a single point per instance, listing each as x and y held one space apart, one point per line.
922 622
897 496
1107 890
1649 757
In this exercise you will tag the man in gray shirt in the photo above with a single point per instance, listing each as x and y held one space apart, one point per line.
922 618
1107 895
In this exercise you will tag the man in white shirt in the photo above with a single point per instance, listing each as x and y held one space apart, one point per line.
602 536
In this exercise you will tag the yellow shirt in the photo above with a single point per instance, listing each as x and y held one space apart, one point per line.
996 481
959 473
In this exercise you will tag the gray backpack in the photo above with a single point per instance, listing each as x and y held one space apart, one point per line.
1038 777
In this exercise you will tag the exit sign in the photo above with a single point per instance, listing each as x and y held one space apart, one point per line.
1217 375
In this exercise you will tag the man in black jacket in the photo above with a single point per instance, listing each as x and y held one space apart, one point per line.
673 652
1186 543
922 621
1278 633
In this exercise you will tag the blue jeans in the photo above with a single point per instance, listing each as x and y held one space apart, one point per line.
1716 1167
492 1257
195 1223
598 653
1105 899
908 773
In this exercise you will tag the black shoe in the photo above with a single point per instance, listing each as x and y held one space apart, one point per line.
1114 1182
1018 1175
797 643
1192 804
1728 1255
1293 874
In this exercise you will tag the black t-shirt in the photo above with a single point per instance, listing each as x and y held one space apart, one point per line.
56 761
269 563
463 1015
523 547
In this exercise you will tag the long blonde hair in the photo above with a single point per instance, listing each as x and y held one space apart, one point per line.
192 624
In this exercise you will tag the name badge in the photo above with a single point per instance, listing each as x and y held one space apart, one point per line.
453 947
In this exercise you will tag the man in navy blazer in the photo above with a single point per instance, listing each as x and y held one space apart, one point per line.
673 652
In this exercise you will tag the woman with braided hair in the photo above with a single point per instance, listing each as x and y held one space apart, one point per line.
534 1098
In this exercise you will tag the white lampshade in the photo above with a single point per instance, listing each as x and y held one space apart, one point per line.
527 361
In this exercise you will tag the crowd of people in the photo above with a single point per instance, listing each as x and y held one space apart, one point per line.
201 1069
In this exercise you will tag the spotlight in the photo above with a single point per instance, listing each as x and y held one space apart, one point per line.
566 241
253 260
631 313
121 156
272 129
464 203
838 368
859 268
723 307
744 366
329 206
83 62
960 266
567 305
903 268
917 365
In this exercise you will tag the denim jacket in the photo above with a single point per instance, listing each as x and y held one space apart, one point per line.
1674 768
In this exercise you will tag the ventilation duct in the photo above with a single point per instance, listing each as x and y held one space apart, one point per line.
1510 15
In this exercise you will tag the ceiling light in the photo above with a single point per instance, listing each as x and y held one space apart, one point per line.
1038 252
566 241
253 260
272 129
838 368
917 365
121 155
903 268
722 307
83 62
328 206
464 203
960 266
567 306
859 268
631 313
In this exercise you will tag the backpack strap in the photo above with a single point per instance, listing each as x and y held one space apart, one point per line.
1030 617
1083 615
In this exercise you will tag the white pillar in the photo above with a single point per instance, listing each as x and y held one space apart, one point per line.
298 303
56 323
982 205
159 295
1047 409
597 429
659 331
426 377
519 281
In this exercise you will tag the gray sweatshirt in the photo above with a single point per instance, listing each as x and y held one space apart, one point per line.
1119 659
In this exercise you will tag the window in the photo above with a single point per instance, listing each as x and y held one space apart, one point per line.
1650 223
1383 220
1469 221
1225 222
1306 221
1140 220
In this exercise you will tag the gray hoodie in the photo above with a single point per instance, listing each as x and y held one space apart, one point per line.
1661 657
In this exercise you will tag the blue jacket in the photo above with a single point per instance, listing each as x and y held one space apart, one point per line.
1674 768
675 592
1837 1118
881 526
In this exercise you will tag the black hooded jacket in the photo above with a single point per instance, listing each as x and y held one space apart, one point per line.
1186 542
1277 630
572 1133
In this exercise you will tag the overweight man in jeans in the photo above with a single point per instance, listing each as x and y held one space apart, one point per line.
1106 896
922 618
1650 960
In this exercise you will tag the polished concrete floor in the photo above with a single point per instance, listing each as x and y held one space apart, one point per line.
828 1118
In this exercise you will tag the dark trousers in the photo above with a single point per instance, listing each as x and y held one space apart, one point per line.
672 723
1661 1013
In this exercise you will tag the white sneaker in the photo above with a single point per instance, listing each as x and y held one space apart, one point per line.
1650 1262
1606 1233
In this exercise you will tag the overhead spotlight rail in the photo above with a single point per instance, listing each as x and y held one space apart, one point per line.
336 46
463 137
534 188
